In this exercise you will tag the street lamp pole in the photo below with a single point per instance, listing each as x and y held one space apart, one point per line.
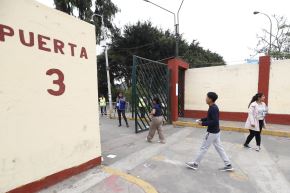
108 81
270 44
107 69
177 30
176 24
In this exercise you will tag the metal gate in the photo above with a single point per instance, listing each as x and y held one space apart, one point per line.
149 79
181 92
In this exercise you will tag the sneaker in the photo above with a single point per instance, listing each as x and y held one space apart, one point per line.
191 165
227 168
162 142
258 148
127 125
148 140
120 125
247 146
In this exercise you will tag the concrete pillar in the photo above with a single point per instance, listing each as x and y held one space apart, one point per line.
264 75
174 65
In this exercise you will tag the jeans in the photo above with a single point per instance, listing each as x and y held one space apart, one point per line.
142 112
122 112
256 134
103 110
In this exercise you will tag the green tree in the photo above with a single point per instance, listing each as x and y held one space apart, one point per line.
83 8
102 75
197 57
145 40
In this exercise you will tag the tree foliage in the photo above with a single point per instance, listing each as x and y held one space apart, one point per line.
145 40
142 39
280 39
197 57
83 9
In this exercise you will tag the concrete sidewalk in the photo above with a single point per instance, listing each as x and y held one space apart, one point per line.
272 129
152 167
242 124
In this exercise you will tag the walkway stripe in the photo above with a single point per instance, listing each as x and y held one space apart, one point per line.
147 188
137 158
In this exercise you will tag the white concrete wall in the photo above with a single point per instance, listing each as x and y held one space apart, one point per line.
279 87
41 134
234 84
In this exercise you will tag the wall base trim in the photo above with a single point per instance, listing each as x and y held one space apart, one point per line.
283 119
57 177
275 133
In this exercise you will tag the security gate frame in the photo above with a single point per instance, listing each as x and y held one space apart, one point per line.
149 79
181 83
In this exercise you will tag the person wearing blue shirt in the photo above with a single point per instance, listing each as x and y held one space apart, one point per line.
156 122
121 107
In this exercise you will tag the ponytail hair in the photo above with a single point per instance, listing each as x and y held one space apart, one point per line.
256 97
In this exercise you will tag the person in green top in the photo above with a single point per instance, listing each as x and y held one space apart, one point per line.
103 104
142 106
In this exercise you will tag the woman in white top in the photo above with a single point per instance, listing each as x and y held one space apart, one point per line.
256 119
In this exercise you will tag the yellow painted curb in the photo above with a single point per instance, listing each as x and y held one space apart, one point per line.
147 188
275 133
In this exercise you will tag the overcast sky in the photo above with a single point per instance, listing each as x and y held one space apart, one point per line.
227 27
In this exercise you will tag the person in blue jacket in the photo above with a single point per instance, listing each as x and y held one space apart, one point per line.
121 107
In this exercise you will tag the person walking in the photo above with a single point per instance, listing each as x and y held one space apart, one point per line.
121 107
212 135
142 106
256 119
156 122
103 104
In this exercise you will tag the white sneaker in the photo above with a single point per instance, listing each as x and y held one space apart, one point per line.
258 148
191 165
227 168
149 141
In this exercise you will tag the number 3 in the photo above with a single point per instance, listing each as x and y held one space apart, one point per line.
58 82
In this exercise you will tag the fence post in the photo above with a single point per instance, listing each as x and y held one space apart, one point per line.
134 91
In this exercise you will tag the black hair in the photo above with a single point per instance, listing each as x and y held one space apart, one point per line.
256 97
213 96
157 100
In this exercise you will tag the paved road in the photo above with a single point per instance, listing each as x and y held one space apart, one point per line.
162 166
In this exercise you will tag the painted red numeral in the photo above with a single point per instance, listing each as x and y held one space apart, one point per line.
58 82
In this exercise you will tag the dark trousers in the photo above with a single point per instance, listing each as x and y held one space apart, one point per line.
142 111
122 112
103 110
256 134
